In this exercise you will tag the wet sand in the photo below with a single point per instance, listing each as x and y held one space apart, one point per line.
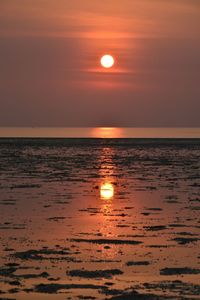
99 219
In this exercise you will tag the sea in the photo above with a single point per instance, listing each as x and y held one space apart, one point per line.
99 213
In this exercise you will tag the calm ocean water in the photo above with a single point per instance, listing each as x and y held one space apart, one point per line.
100 132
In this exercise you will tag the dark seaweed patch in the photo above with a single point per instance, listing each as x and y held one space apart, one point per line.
96 273
31 276
183 288
25 186
138 263
133 295
42 254
155 228
154 209
107 241
7 271
179 271
184 241
53 288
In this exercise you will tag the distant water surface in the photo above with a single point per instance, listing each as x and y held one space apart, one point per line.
99 132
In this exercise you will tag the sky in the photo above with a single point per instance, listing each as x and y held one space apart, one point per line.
50 72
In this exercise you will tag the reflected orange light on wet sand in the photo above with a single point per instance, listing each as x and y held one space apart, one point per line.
107 132
107 191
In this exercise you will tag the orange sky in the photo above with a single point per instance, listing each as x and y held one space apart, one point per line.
51 76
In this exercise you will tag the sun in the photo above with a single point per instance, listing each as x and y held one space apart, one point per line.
107 61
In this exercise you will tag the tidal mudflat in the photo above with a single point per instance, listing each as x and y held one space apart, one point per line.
99 219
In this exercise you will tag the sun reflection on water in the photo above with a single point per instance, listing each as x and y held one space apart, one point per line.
106 191
107 132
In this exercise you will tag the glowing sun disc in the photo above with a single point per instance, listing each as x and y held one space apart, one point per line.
107 61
